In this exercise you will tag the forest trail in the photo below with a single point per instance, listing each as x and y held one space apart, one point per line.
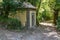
39 33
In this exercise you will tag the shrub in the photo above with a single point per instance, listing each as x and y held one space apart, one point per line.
14 24
11 23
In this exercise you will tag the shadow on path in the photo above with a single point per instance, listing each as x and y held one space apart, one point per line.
39 33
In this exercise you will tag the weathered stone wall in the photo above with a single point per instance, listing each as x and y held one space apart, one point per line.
20 16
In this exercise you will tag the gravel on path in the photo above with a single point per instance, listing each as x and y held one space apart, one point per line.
37 34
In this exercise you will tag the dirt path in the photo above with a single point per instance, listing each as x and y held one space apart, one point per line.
39 33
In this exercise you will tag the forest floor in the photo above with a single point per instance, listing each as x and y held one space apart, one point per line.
42 32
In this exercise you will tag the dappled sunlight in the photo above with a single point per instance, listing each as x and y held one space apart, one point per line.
49 32
46 24
53 35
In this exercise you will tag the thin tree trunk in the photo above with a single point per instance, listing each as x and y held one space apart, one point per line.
55 16
7 9
6 14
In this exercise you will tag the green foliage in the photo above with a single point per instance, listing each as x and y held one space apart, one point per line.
57 6
45 12
52 4
11 23
9 6
34 2
14 24
45 16
39 17
58 23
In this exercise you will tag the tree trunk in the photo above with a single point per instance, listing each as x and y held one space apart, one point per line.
7 9
55 16
6 14
1 13
37 22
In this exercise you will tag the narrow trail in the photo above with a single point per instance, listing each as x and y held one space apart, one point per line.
49 31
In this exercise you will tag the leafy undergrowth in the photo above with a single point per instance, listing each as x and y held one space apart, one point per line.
10 23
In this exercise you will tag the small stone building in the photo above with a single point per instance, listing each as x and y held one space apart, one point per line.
28 17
